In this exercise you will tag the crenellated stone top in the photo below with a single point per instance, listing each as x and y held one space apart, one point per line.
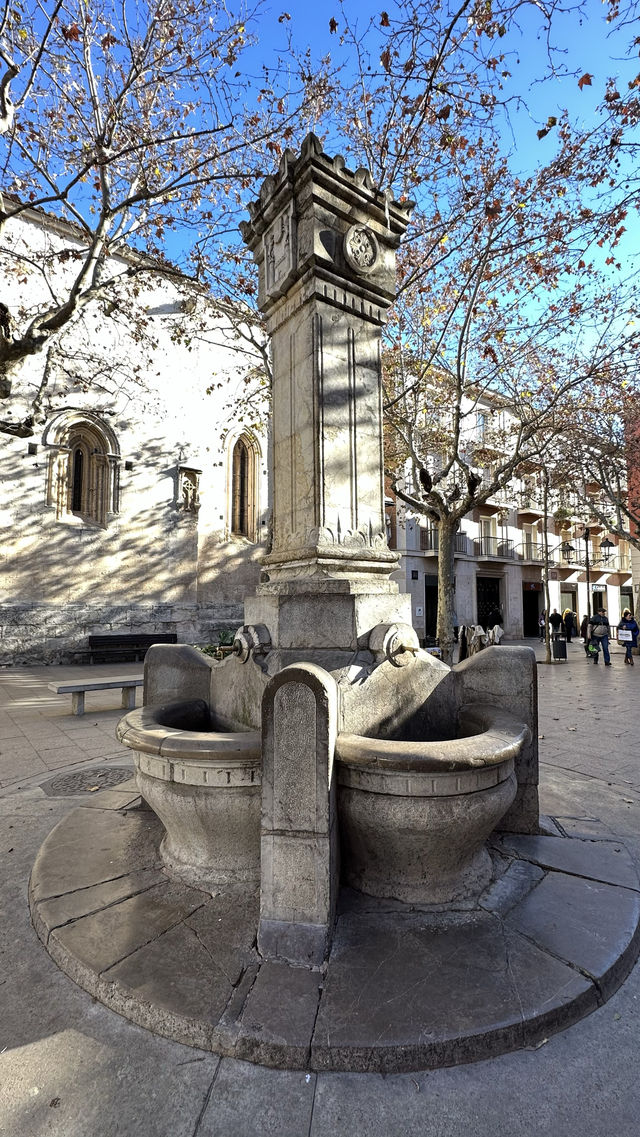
316 218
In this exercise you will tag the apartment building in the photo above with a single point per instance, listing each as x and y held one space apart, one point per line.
500 557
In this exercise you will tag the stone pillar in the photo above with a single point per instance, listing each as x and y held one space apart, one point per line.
299 845
507 677
324 240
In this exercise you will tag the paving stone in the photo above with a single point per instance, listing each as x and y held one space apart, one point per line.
101 940
174 986
63 909
413 994
607 861
591 925
405 982
226 926
10 730
552 995
509 889
279 1015
19 759
248 1099
91 846
112 799
587 828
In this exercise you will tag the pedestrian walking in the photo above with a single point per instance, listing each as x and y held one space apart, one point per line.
542 624
599 632
567 624
584 632
555 619
628 635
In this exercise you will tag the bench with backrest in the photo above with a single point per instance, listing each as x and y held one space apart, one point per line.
78 687
124 647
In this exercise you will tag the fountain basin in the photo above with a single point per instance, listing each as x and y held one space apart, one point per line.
204 783
415 815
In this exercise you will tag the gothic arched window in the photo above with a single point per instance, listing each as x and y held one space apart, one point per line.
244 460
83 468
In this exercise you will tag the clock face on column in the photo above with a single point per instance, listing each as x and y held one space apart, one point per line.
361 248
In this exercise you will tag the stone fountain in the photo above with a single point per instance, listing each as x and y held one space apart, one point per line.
335 785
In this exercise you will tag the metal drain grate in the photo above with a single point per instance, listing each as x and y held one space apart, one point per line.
65 785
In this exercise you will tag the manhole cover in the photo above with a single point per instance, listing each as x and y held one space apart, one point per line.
64 785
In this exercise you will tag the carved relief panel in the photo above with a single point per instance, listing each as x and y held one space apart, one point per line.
189 489
279 250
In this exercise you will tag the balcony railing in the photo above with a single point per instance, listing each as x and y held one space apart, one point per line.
429 542
530 551
529 501
463 544
494 547
616 562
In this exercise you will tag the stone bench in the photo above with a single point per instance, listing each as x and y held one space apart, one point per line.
77 688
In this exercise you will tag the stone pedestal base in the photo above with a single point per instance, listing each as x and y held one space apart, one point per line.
323 615
405 988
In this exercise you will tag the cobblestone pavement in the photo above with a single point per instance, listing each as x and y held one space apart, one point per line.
71 1068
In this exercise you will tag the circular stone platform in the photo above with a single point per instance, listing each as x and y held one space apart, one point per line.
404 989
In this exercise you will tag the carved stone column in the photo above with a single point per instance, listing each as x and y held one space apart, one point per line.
324 240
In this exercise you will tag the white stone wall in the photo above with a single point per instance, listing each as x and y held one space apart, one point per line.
154 566
57 633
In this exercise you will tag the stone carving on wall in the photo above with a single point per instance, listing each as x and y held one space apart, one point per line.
363 538
361 248
279 241
189 489
367 537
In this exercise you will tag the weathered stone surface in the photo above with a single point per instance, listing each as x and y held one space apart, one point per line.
404 989
103 938
395 984
212 832
246 1101
82 902
93 846
320 620
179 988
279 1015
299 852
226 926
182 672
591 925
408 992
114 799
510 888
607 861
507 677
551 996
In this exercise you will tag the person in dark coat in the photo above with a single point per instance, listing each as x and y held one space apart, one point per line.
599 631
584 632
567 624
555 619
628 624
494 618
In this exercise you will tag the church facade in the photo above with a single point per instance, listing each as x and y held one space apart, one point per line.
139 504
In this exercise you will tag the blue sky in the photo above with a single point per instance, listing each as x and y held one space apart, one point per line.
585 44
